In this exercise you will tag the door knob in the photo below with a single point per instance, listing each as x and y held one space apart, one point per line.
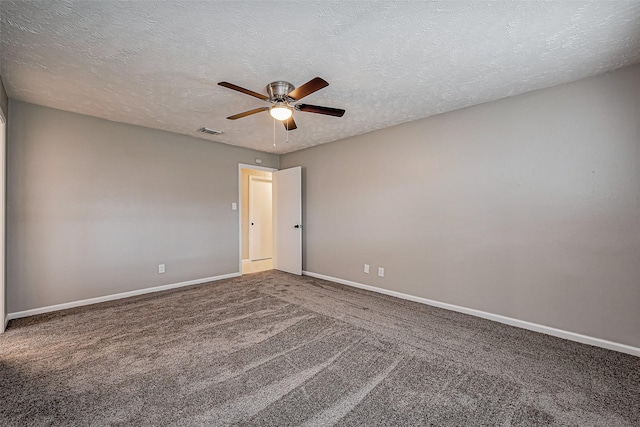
297 226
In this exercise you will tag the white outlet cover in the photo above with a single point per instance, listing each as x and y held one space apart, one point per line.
381 272
161 268
234 206
366 268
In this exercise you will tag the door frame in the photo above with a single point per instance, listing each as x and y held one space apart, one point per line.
3 220
240 167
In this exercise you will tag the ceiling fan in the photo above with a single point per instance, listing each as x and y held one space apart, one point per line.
283 96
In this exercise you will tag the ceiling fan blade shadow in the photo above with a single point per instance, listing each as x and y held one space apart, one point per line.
336 112
308 88
243 90
289 124
247 113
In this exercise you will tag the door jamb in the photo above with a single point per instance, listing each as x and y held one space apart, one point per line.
240 167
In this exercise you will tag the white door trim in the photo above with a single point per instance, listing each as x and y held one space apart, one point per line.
240 167
3 221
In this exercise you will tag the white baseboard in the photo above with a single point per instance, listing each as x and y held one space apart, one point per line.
572 336
112 297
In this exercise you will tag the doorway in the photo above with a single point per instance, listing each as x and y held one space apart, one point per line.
256 225
260 218
286 216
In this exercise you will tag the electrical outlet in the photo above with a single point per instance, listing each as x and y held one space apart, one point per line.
366 268
160 268
380 272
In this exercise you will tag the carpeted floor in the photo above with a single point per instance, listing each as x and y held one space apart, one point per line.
272 349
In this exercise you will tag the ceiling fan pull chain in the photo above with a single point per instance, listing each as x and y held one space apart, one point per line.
274 132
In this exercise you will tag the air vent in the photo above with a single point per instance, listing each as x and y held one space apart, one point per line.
210 131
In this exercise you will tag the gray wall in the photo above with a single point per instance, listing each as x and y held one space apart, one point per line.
94 206
528 207
4 101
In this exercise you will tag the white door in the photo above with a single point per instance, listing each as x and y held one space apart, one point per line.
260 219
287 220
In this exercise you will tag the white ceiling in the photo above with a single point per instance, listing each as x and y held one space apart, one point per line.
157 63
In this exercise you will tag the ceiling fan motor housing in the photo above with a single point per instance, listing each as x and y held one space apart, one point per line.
278 91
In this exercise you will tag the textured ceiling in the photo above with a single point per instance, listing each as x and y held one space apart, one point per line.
156 63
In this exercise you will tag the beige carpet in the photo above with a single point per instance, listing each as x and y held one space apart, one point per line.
272 349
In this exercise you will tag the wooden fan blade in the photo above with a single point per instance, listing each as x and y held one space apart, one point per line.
247 113
308 88
243 90
337 112
289 124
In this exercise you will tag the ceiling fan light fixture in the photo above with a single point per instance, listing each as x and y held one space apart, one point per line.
280 112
